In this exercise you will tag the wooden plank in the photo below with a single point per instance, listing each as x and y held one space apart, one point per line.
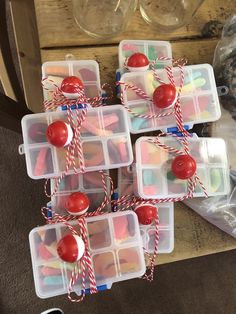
57 27
193 235
6 84
26 36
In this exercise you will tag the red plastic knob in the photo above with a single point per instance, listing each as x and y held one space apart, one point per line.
184 167
70 248
77 203
146 213
164 96
59 133
138 62
71 86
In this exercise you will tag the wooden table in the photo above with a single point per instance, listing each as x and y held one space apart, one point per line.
59 35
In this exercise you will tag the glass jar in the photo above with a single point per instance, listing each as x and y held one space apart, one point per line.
168 15
103 18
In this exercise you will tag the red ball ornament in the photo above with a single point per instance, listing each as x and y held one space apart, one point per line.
164 96
77 203
71 86
59 133
70 248
184 167
146 213
138 62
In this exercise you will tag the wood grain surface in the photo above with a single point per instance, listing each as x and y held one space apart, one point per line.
57 27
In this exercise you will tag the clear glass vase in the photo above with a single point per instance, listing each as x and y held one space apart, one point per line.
103 18
168 15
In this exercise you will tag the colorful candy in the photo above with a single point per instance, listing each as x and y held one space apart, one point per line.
40 163
37 132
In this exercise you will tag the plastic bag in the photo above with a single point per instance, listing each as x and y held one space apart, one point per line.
221 210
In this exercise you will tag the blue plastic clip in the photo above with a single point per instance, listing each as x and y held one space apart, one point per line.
118 76
49 212
174 130
114 197
104 96
79 106
99 288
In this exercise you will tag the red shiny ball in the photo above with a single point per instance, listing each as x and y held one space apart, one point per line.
71 85
184 167
146 213
70 248
164 96
59 133
138 60
77 203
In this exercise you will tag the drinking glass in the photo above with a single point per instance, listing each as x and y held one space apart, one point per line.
103 18
168 15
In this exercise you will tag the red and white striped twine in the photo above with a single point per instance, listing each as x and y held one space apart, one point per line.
127 201
152 257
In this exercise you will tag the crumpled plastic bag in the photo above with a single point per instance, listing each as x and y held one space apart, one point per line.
221 210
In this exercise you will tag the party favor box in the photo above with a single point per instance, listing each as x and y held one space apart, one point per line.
54 72
198 99
165 213
150 48
105 140
115 246
153 171
89 183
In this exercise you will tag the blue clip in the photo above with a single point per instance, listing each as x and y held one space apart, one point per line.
104 95
99 288
174 130
49 212
114 197
79 106
118 89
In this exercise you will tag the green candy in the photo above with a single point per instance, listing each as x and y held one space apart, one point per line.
152 55
216 179
53 281
170 176
148 178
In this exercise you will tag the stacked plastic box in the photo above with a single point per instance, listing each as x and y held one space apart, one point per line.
116 240
115 246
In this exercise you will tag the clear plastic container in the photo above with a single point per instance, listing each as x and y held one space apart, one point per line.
165 212
89 183
166 230
86 70
153 175
199 99
151 48
105 141
115 246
